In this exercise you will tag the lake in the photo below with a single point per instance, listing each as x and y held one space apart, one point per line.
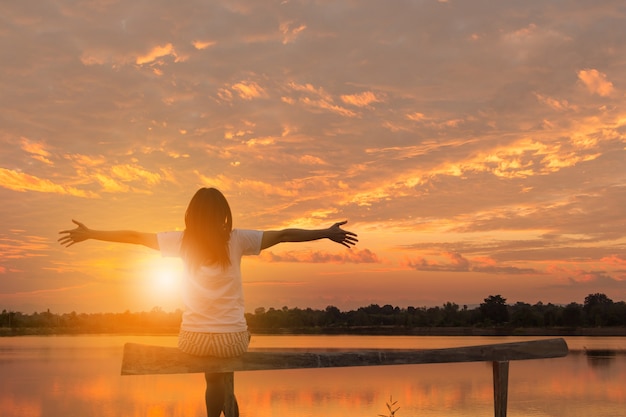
67 376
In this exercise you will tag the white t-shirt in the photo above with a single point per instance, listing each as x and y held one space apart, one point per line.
213 296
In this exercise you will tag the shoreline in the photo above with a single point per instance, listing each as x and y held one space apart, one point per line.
334 331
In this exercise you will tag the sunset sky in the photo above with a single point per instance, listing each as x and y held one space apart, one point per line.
477 147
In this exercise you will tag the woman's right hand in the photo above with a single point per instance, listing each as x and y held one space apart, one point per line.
343 237
76 235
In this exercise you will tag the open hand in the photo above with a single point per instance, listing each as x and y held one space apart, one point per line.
74 235
343 237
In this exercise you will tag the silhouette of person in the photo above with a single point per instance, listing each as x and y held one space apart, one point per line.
213 322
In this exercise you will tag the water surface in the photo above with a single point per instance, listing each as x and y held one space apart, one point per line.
65 376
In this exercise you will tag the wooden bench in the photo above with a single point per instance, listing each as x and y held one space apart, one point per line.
144 359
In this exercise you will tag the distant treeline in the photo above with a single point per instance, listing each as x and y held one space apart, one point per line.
494 313
597 311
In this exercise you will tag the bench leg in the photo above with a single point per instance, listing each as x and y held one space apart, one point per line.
500 387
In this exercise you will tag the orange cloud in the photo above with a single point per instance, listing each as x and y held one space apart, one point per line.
86 160
521 158
20 181
221 182
363 99
455 262
155 53
317 98
560 105
348 256
596 82
227 184
416 117
311 160
19 246
274 283
266 188
268 140
614 260
326 105
37 151
290 31
248 90
225 94
203 44
133 173
110 185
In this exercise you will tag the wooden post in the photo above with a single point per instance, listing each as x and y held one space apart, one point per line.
500 387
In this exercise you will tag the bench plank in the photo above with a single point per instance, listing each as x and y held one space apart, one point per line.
142 359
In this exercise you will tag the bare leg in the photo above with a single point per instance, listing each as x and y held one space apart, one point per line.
214 395
220 395
231 408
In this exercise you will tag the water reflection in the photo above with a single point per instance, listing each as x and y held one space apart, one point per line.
57 377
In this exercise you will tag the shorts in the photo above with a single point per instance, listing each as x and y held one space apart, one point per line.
221 345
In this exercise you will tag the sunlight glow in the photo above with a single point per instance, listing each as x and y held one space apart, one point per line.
164 277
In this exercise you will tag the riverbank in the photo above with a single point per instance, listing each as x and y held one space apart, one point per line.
451 331
356 330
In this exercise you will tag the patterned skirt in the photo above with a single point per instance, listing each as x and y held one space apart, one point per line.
221 345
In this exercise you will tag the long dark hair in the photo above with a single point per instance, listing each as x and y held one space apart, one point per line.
208 223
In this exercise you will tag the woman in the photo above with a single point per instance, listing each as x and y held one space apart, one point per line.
213 322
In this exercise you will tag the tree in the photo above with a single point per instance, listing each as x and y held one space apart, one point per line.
450 314
523 315
332 315
572 315
597 308
494 309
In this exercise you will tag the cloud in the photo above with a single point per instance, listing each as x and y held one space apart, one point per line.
200 45
455 262
82 161
291 31
316 98
261 141
327 105
311 160
248 90
596 82
16 244
505 270
416 116
348 256
475 132
111 185
596 279
155 53
128 173
614 260
363 99
559 105
37 150
255 187
275 283
20 181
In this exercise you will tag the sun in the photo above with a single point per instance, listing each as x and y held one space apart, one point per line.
165 276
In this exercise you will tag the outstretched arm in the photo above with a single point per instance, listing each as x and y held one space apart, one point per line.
82 233
334 233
